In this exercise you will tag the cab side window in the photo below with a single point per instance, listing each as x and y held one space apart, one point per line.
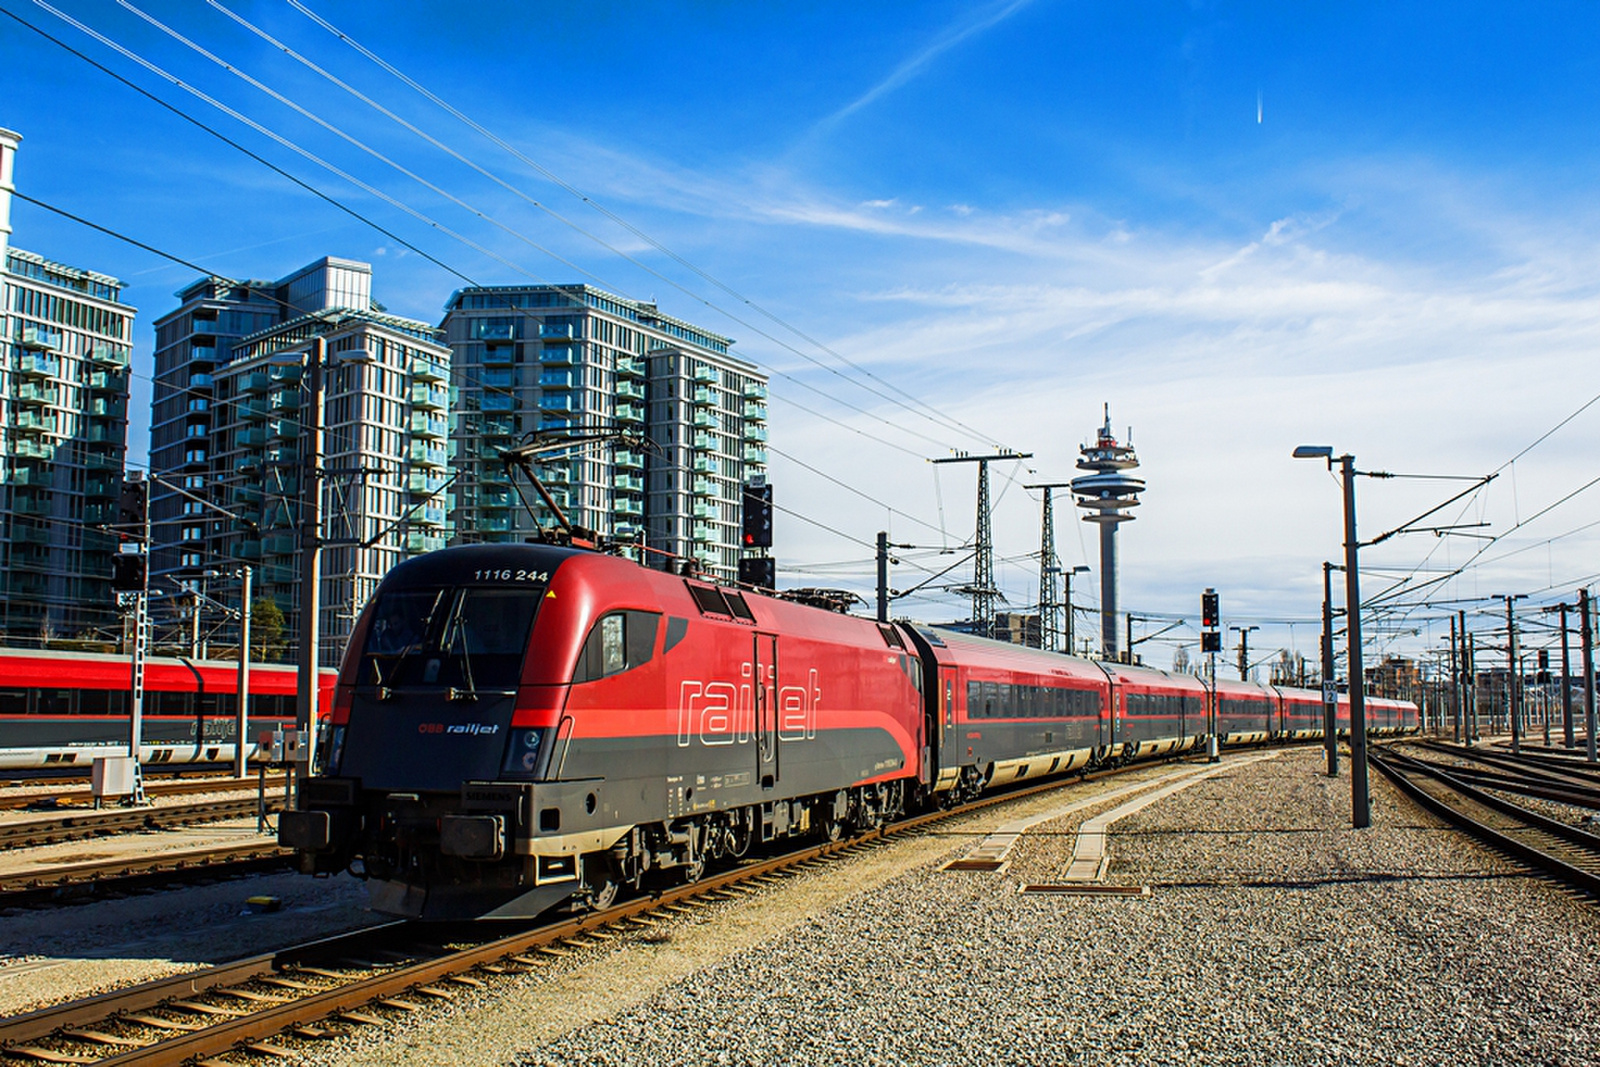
620 641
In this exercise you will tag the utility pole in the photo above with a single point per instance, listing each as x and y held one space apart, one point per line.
1514 673
1455 682
1470 660
1586 636
983 590
1050 628
1330 688
883 576
1566 682
310 563
1244 650
241 715
1361 799
1066 583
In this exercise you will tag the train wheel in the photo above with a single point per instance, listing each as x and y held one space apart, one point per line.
598 880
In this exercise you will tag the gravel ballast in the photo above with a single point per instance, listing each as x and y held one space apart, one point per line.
1274 934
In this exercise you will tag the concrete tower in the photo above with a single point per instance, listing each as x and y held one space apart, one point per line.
1107 493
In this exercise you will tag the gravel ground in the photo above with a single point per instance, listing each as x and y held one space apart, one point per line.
1273 935
53 954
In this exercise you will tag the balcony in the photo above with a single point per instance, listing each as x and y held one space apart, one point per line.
429 515
707 465
286 374
706 510
559 330
33 476
706 375
496 501
283 455
559 378
705 420
286 400
426 370
704 440
105 435
488 330
498 378
107 408
493 474
494 523
630 390
703 532
630 365
95 488
425 483
428 424
30 535
38 393
33 422
500 355
107 381
499 402
429 454
255 382
755 454
499 427
560 355
629 506
40 338
247 550
31 503
253 437
100 514
418 542
704 396
556 476
429 397
247 494
284 430
626 460
755 391
630 412
756 412
559 402
281 544
628 483
754 432
26 449
37 365
108 355
253 409
704 487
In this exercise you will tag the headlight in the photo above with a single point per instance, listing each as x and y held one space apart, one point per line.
523 749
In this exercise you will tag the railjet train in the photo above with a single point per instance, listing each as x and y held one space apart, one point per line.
517 727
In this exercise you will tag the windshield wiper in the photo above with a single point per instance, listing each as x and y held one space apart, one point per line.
459 629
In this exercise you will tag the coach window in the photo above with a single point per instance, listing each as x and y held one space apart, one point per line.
620 641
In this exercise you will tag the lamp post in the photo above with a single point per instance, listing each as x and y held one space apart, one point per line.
310 562
1360 801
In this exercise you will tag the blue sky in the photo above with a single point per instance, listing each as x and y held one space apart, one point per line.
1245 226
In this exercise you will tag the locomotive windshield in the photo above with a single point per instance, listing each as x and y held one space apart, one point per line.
468 639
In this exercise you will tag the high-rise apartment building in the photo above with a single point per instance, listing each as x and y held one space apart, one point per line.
230 429
67 341
571 357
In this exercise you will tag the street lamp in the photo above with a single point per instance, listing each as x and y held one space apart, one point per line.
1360 801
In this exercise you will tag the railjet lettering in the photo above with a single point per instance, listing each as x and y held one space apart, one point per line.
460 728
724 713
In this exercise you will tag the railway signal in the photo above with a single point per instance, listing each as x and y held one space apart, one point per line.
758 516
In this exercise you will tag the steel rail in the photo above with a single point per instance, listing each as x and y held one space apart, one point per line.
1530 767
76 825
48 883
178 787
1522 833
1576 795
222 1035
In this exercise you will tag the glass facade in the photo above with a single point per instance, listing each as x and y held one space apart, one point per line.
547 358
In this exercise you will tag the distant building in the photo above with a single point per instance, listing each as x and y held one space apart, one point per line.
1017 628
1395 677
67 342
230 393
552 357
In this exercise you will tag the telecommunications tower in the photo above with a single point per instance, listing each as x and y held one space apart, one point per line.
1106 494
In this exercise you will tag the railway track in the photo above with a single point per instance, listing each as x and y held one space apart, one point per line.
177 787
326 987
1566 853
77 881
76 825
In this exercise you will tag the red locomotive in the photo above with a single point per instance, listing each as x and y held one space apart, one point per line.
521 726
